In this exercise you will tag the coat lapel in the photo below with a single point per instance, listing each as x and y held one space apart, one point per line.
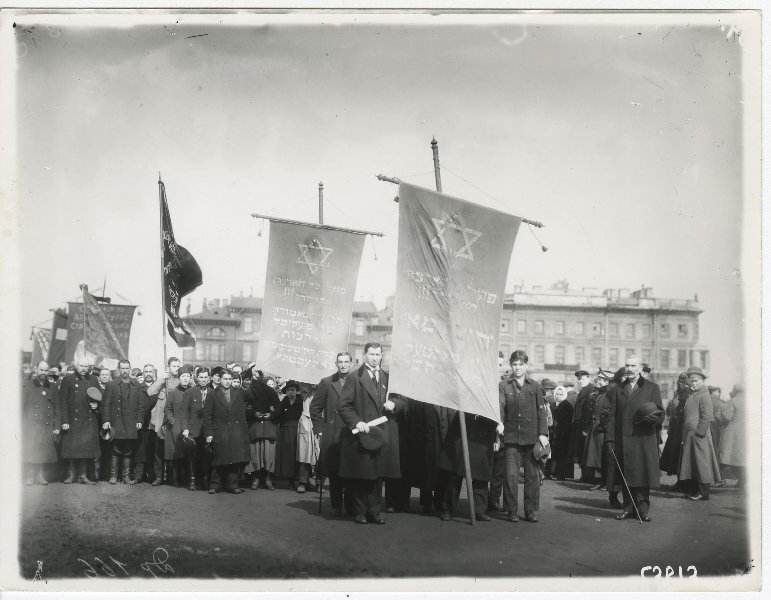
338 387
369 385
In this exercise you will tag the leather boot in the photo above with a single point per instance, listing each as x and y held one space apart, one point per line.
139 472
97 468
114 461
126 471
70 471
191 472
82 478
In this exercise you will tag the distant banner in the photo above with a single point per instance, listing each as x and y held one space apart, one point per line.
309 290
100 349
57 349
41 340
451 273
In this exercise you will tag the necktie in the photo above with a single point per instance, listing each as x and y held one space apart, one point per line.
375 376
203 396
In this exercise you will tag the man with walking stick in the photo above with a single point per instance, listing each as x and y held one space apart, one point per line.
635 412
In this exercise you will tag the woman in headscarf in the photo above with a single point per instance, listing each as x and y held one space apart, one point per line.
287 417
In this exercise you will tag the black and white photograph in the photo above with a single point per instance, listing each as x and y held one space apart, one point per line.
342 300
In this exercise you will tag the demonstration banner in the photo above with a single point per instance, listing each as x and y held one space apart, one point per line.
108 329
451 273
309 290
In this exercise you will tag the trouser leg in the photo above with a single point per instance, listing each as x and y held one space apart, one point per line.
303 473
358 488
480 496
532 491
511 481
450 485
335 491
374 495
704 490
499 475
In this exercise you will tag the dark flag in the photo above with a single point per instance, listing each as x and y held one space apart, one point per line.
58 345
181 275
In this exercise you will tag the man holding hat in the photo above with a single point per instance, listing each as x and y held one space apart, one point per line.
373 452
582 420
698 462
635 411
80 423
123 408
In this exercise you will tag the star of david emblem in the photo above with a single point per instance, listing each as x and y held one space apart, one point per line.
314 255
453 222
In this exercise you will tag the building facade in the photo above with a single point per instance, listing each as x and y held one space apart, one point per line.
561 330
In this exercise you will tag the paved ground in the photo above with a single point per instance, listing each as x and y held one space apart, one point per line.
280 535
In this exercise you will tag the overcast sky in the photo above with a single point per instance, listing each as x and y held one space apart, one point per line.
624 138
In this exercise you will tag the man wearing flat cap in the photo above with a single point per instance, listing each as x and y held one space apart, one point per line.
698 463
582 420
364 399
123 408
634 413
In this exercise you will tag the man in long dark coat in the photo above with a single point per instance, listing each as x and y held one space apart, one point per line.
144 458
123 407
328 427
364 399
80 423
582 420
41 421
224 424
635 412
191 412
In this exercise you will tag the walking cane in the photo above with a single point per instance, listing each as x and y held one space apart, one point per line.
321 491
620 470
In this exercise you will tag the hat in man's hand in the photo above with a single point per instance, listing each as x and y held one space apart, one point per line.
648 412
540 451
94 394
373 440
107 435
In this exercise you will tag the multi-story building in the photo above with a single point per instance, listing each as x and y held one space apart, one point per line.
561 330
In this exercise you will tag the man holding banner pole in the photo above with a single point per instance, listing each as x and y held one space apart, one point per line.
368 453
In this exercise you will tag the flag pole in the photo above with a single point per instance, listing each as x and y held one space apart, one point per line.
461 414
163 281
83 299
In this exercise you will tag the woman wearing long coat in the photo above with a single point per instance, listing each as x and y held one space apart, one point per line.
262 401
698 462
732 444
287 419
41 420
225 426
174 449
562 451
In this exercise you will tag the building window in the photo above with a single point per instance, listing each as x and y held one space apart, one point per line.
539 354
246 353
596 328
579 355
597 356
682 330
559 328
646 356
521 326
248 325
216 352
630 331
559 355
215 332
664 359
664 330
359 328
613 329
646 331
505 326
539 327
682 358
200 352
579 328
613 357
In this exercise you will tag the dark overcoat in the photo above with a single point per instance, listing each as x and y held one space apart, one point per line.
636 445
670 455
362 400
261 400
123 413
81 440
287 418
40 416
595 437
561 453
190 410
173 447
426 427
325 418
227 423
481 435
582 420
698 461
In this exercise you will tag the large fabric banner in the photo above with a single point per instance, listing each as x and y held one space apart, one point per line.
108 329
309 290
57 349
451 273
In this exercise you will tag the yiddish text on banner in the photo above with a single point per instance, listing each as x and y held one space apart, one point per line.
309 291
451 273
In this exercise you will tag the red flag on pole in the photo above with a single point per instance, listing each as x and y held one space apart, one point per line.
99 336
181 275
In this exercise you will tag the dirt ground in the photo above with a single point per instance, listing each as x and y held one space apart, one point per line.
109 531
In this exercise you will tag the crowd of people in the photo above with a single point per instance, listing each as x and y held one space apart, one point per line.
232 428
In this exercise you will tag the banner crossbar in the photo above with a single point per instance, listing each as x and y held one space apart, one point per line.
317 225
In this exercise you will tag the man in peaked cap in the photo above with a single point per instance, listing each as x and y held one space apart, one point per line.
582 420
80 423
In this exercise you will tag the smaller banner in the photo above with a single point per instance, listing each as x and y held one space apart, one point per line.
57 349
451 273
107 332
181 275
41 342
309 291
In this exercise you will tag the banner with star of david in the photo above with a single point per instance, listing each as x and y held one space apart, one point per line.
451 274
309 292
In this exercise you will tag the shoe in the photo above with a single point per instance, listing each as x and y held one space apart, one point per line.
212 491
530 517
85 480
645 518
338 512
624 515
269 487
300 489
40 480
112 480
390 509
236 491
255 484
378 520
70 477
484 517
157 481
596 488
512 516
360 520
614 503
445 516
719 484
698 497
